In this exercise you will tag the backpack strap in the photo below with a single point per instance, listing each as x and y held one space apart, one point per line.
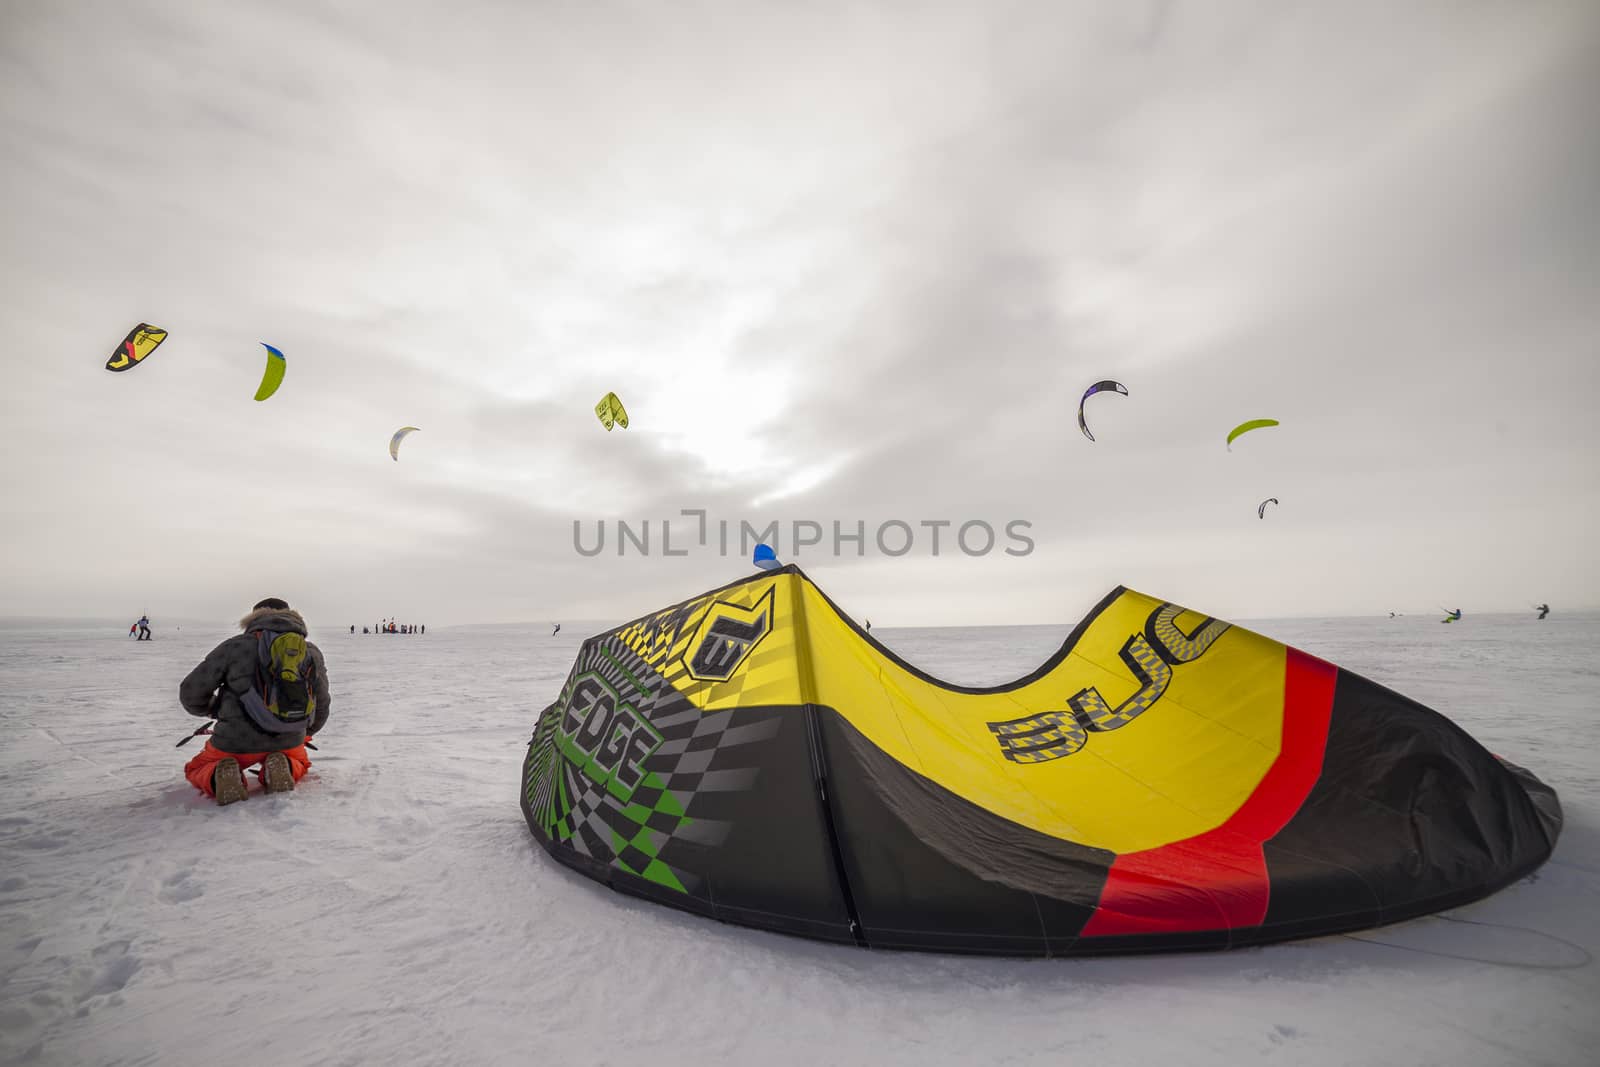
263 660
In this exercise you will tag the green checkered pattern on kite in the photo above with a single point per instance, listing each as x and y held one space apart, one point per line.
634 830
544 780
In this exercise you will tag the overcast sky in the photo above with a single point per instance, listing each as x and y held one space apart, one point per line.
842 262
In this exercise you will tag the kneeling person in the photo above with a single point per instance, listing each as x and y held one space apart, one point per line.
267 687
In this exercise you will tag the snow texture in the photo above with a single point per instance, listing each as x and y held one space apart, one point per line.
396 909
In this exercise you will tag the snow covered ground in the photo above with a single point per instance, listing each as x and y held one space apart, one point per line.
395 908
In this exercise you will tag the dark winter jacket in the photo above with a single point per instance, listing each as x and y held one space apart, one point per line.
232 667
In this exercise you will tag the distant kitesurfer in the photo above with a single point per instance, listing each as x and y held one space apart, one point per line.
255 724
1543 609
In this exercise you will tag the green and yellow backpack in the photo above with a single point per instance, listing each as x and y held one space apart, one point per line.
283 699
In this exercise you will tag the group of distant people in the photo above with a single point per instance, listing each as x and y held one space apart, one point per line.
389 626
142 628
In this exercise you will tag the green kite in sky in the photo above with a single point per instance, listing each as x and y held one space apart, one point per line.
1246 427
273 376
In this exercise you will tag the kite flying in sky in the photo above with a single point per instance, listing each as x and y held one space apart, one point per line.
394 442
1246 427
1097 387
272 377
611 412
1262 510
140 342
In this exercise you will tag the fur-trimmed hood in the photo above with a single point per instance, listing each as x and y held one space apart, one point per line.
283 619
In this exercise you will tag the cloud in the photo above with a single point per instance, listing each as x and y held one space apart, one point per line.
840 262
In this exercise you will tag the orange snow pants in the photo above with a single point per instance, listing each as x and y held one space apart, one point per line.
200 769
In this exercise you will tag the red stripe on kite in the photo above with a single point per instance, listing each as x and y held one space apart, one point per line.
1218 879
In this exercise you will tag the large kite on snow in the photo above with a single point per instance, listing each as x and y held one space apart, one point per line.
140 342
1166 780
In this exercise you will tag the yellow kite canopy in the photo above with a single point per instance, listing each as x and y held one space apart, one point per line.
1165 780
272 376
140 342
1246 427
611 412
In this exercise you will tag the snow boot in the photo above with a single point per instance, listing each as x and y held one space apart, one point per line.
227 781
276 775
